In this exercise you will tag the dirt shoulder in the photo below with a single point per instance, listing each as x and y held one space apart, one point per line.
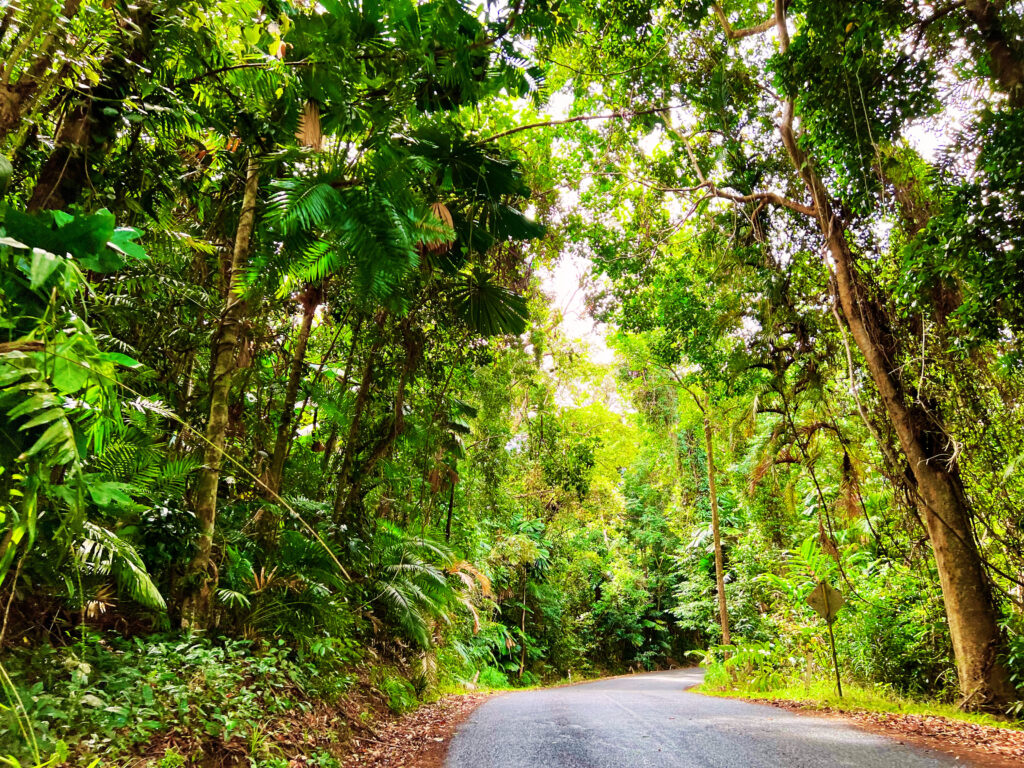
417 740
983 746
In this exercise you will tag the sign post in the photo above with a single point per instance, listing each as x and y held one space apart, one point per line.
827 601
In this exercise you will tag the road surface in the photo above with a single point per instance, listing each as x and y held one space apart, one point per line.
649 721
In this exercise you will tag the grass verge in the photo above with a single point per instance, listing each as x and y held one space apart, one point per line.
820 694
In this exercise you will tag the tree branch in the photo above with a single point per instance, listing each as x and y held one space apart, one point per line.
736 34
766 197
580 119
28 345
769 197
246 65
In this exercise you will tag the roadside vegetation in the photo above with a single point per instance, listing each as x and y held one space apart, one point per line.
736 677
293 432
820 694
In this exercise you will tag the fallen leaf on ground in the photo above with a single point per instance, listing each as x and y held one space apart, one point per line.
416 740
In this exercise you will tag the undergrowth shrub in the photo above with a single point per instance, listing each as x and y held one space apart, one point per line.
755 667
492 677
900 641
110 696
1014 658
398 690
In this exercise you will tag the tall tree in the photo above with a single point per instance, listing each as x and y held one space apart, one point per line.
802 150
224 350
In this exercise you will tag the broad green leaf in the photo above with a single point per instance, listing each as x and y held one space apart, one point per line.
120 359
107 492
44 264
58 432
10 242
69 375
43 418
124 239
33 403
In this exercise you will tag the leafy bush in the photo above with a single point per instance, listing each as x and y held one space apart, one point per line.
106 695
400 693
755 667
1015 661
900 639
492 677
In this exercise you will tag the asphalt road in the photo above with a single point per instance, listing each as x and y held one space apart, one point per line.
650 721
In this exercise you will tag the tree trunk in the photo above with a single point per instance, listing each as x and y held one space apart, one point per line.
17 98
723 610
332 440
348 457
197 604
380 449
66 167
970 609
522 630
285 431
941 499
448 523
87 131
1005 56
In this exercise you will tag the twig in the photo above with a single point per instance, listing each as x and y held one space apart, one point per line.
580 119
7 610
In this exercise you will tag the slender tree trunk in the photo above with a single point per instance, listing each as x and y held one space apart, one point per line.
285 430
348 458
317 376
224 363
381 448
329 448
723 610
5 23
522 630
332 441
970 608
448 523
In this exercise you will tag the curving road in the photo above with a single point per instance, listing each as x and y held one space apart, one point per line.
649 721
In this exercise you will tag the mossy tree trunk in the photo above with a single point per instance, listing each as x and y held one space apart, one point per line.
202 573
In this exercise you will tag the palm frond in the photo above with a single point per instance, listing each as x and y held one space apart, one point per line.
103 552
488 308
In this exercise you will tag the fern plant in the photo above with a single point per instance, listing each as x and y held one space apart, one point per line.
406 583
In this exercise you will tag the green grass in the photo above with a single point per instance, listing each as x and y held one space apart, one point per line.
821 693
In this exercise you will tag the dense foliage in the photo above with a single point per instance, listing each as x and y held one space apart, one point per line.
288 410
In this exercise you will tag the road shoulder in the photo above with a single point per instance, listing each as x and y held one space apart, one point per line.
419 738
982 746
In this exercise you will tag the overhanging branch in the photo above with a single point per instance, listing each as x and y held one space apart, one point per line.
580 119
768 197
735 34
